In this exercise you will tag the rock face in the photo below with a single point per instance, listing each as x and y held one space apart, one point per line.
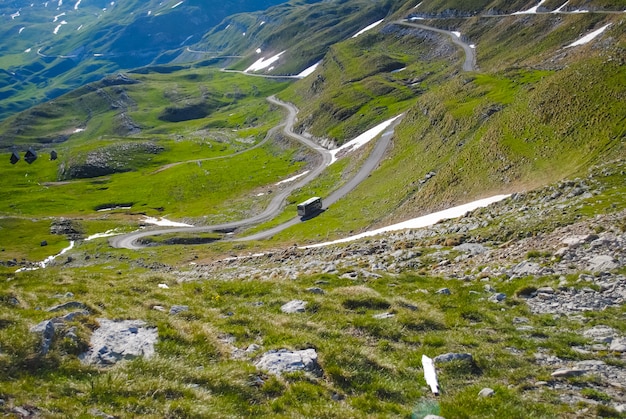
283 360
449 357
115 341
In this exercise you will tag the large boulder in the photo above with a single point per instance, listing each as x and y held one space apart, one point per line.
118 340
283 360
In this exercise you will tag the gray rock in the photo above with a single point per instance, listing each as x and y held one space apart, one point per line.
486 392
496 298
471 248
433 417
283 360
67 306
566 372
294 306
315 290
100 414
618 345
253 348
600 334
114 341
47 330
178 309
602 263
545 290
444 291
440 359
520 320
526 268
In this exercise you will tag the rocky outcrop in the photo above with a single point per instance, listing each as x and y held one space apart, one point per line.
114 341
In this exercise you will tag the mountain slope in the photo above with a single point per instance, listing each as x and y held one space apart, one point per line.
48 48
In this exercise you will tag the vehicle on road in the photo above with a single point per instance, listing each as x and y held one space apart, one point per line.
310 207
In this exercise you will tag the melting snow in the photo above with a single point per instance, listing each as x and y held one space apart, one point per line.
79 28
561 7
588 37
77 4
530 11
258 50
56 30
291 179
107 233
163 222
309 70
262 63
56 18
22 28
14 15
362 139
418 4
419 222
27 50
457 34
367 28
49 259
177 4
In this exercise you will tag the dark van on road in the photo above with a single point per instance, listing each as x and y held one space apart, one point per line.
310 207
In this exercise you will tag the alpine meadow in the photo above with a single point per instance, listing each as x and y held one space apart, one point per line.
316 209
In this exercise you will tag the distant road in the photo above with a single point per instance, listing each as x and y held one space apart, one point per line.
129 241
470 53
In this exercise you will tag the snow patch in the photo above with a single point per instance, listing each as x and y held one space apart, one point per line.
27 50
262 63
361 140
309 70
456 33
367 28
258 50
56 30
420 222
291 179
77 4
46 262
56 18
530 11
558 10
164 222
589 37
177 4
21 29
107 233
14 15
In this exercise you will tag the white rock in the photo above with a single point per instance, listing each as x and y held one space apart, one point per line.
294 306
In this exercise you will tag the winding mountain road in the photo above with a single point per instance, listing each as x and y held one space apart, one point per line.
130 241
470 53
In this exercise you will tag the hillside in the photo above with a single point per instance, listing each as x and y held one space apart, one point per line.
388 111
50 48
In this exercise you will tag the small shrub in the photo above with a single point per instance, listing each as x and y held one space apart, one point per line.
593 394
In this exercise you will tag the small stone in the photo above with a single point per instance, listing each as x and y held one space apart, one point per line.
618 345
486 392
383 316
158 308
315 290
253 348
440 359
520 320
444 291
545 290
497 298
44 243
66 306
489 288
433 417
541 383
566 373
294 306
178 309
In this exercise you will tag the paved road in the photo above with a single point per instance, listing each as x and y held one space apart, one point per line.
470 53
129 241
